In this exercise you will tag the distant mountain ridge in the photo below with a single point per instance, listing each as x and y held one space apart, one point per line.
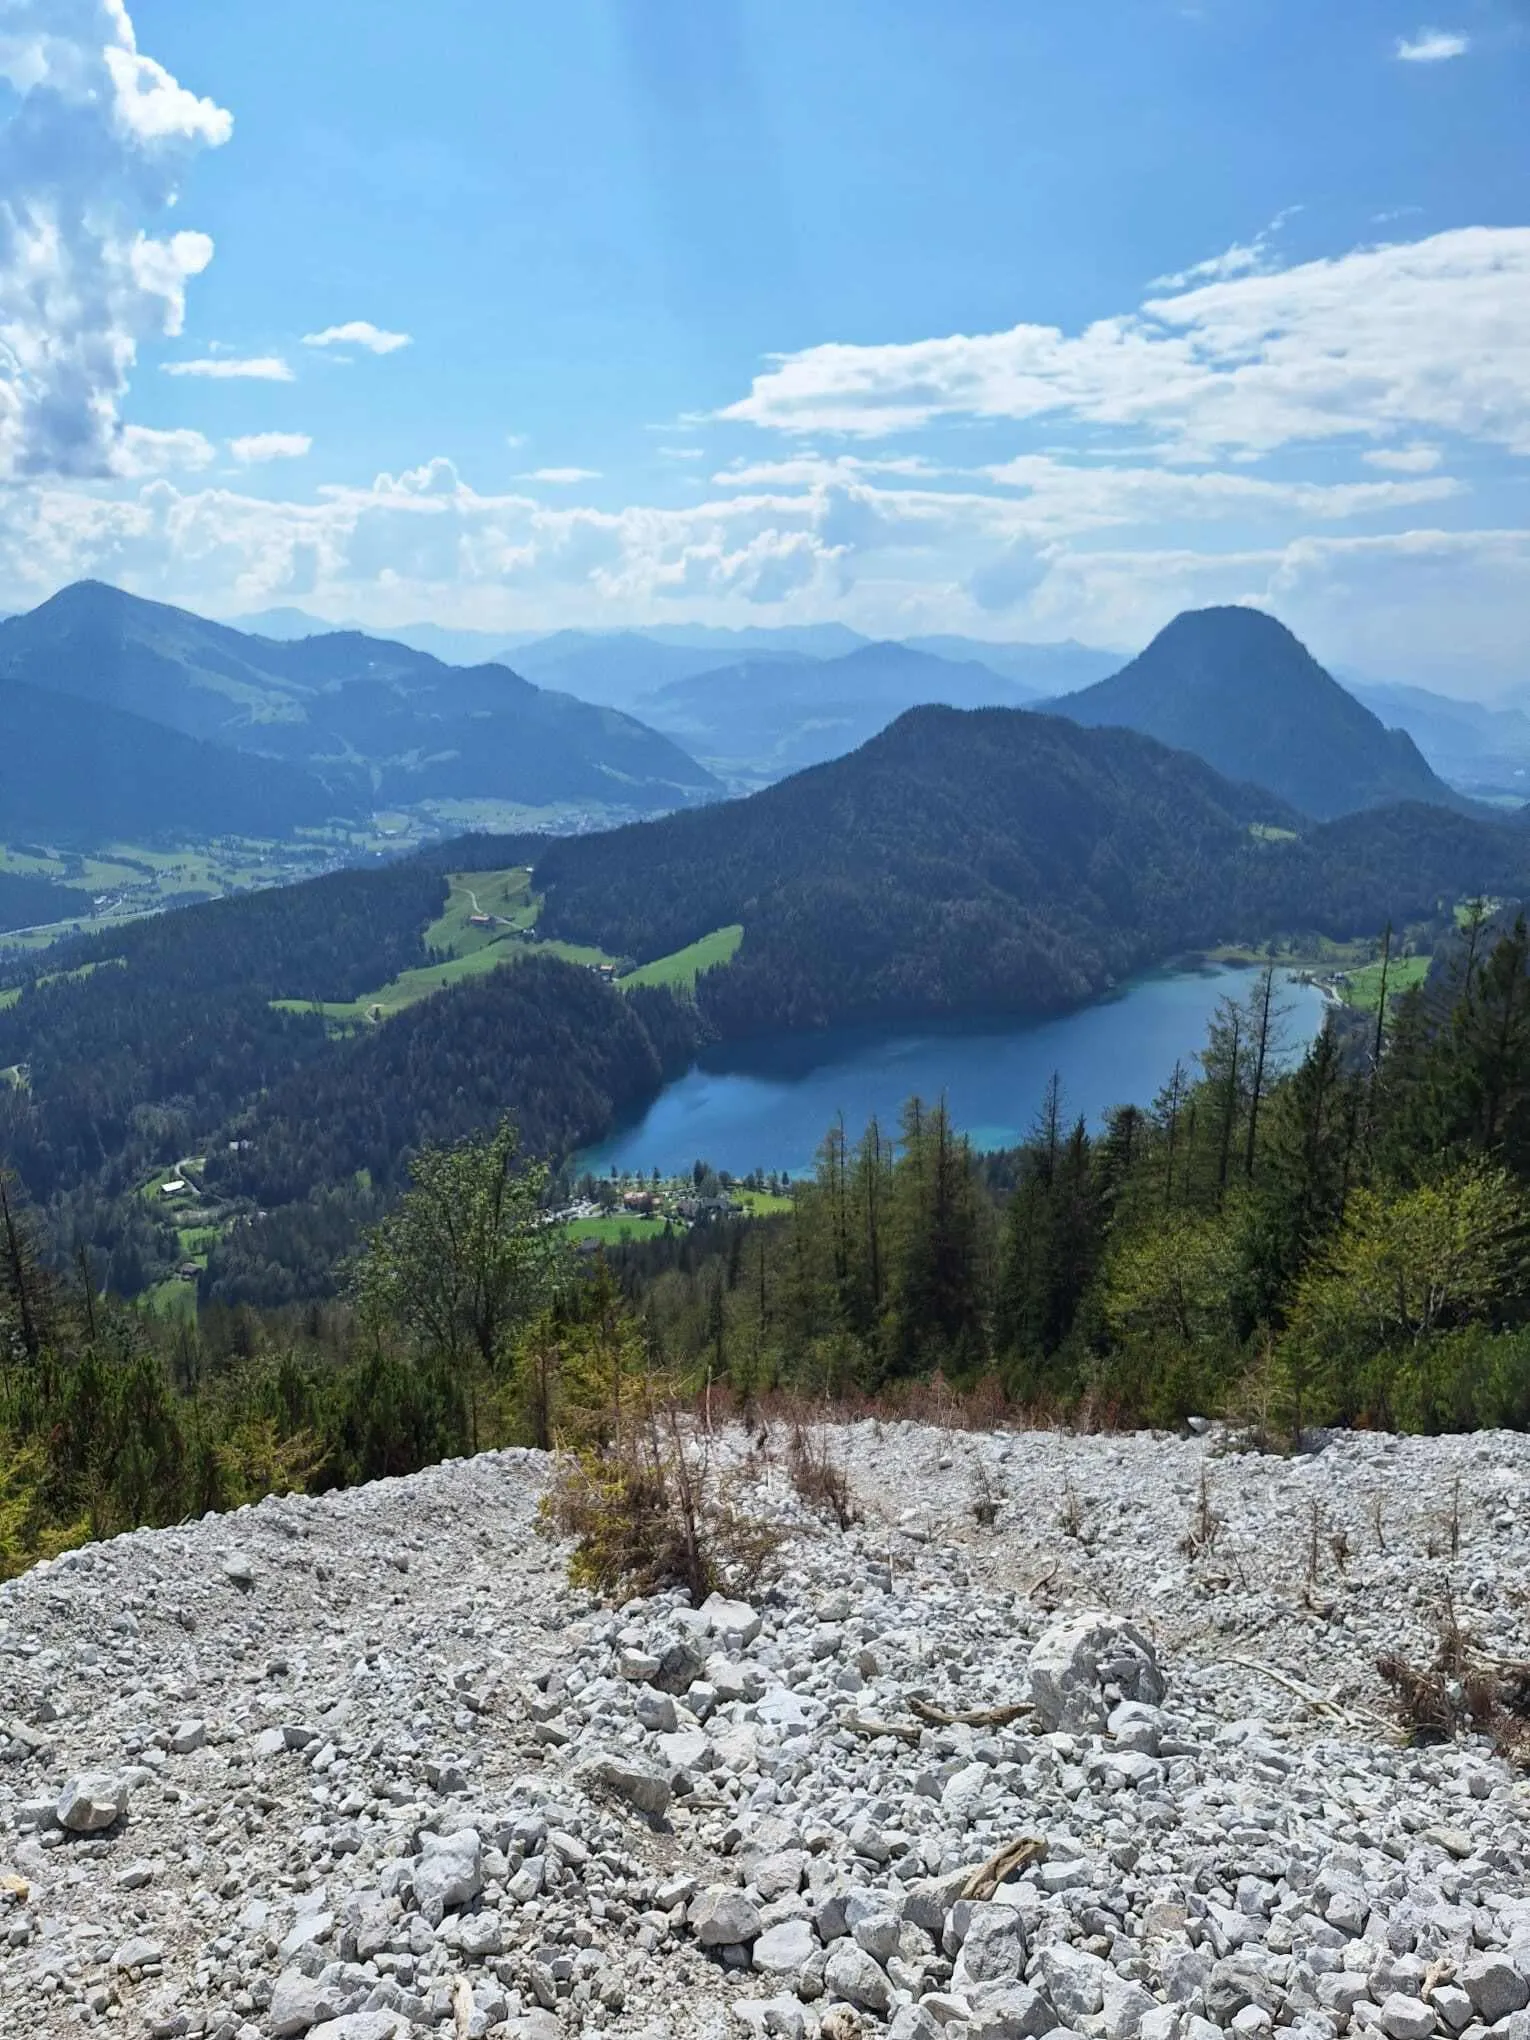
1238 689
765 718
377 723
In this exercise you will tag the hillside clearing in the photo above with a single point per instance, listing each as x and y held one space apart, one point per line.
681 969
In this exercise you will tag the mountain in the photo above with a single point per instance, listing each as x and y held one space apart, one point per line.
378 722
763 718
615 668
623 667
1234 686
1479 749
812 640
453 647
1038 669
1000 861
91 774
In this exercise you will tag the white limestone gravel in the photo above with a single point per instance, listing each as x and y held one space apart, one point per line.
365 1766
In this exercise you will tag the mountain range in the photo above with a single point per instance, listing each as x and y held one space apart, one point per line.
125 719
296 731
621 668
1479 748
1237 688
763 718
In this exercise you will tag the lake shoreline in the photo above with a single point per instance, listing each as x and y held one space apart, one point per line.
766 1101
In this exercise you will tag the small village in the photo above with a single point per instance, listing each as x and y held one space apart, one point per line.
607 1209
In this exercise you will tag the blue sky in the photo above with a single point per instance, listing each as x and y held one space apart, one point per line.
1029 320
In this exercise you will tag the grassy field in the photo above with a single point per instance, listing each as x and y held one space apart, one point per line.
760 1203
612 1231
173 1298
1362 988
681 970
504 901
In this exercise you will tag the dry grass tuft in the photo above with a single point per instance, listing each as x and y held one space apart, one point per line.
1462 1691
819 1477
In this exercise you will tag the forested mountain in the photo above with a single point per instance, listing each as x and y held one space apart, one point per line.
1237 688
764 718
996 860
378 722
161 1038
85 773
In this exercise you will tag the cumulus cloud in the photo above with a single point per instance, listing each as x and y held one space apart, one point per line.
233 368
360 333
1427 604
261 446
1431 46
142 450
561 477
1432 335
1404 460
91 158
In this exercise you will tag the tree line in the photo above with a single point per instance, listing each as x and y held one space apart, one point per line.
1339 1241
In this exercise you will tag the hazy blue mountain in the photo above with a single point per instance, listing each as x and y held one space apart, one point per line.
813 640
381 723
759 719
1480 749
615 668
1234 686
1041 670
452 647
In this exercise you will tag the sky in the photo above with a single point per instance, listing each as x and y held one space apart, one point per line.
1017 318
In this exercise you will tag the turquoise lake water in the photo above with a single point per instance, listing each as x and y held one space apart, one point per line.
767 1104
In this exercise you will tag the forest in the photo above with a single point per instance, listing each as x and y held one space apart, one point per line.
1341 1241
994 862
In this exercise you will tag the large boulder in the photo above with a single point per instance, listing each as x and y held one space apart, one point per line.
449 1873
93 1801
1083 1668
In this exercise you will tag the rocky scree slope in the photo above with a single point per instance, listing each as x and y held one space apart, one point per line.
365 1767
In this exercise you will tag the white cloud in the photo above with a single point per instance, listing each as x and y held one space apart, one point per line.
1444 607
261 446
1404 460
1432 336
91 157
233 368
1238 260
561 477
360 333
1069 497
806 470
1431 46
679 452
143 450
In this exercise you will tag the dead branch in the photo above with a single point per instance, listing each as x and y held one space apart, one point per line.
1005 1863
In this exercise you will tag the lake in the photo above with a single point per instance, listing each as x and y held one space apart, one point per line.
767 1104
